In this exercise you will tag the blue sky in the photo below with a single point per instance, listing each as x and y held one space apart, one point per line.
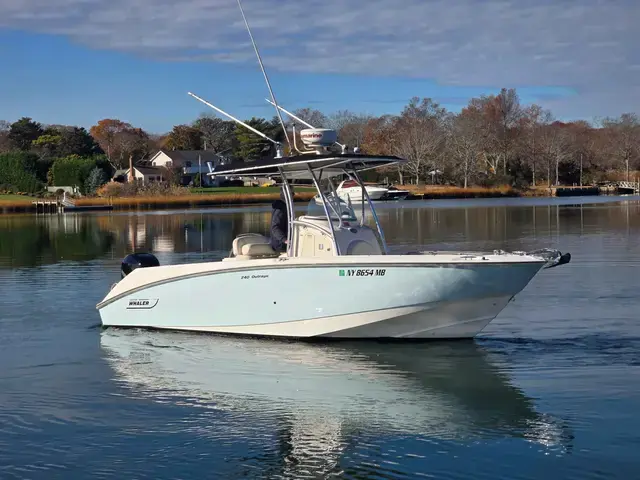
78 61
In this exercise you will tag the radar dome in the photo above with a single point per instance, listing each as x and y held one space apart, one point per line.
318 137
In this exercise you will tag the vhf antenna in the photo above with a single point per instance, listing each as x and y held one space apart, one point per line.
273 97
257 132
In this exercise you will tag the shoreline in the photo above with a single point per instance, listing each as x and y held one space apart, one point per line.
245 199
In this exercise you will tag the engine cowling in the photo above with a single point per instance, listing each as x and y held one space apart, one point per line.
137 260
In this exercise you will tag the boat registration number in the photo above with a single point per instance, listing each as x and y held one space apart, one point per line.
366 272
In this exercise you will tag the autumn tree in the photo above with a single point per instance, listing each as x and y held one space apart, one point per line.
23 132
498 117
119 140
376 139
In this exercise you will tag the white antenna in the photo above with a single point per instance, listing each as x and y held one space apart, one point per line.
297 118
290 114
257 132
273 97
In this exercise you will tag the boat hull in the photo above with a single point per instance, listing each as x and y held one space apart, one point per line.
283 298
395 195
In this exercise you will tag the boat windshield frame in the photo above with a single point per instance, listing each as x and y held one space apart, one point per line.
331 207
313 166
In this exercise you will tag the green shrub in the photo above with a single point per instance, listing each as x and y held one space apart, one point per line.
72 171
18 172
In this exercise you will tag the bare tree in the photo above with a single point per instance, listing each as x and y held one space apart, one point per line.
133 143
510 113
312 117
532 123
556 146
350 126
419 136
217 134
465 141
624 138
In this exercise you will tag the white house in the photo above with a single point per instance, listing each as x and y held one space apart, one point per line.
144 175
191 162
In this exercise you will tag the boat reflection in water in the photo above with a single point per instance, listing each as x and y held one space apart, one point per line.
327 394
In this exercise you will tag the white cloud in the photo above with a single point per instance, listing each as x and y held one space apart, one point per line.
589 45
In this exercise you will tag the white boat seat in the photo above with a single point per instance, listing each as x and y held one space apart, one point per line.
246 238
256 250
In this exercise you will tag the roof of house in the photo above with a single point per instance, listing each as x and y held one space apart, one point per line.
145 170
183 156
150 170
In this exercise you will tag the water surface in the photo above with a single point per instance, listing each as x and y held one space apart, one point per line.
551 388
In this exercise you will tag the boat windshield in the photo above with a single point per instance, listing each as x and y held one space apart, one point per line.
344 208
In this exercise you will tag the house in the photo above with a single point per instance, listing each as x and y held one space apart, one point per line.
144 175
191 162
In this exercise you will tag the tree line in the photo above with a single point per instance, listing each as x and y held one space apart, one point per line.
494 139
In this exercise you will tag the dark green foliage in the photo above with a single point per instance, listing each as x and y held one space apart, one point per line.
102 162
72 171
77 141
18 171
569 172
23 132
62 141
43 165
252 146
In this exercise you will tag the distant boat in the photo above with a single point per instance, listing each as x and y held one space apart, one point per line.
351 190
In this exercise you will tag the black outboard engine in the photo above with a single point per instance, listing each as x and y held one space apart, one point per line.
137 260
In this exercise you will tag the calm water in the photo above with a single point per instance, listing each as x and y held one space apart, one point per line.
550 390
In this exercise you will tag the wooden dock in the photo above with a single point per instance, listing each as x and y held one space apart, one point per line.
65 205
48 206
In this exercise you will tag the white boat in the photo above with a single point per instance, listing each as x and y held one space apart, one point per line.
336 278
350 190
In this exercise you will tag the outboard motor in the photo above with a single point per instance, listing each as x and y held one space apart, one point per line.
137 260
